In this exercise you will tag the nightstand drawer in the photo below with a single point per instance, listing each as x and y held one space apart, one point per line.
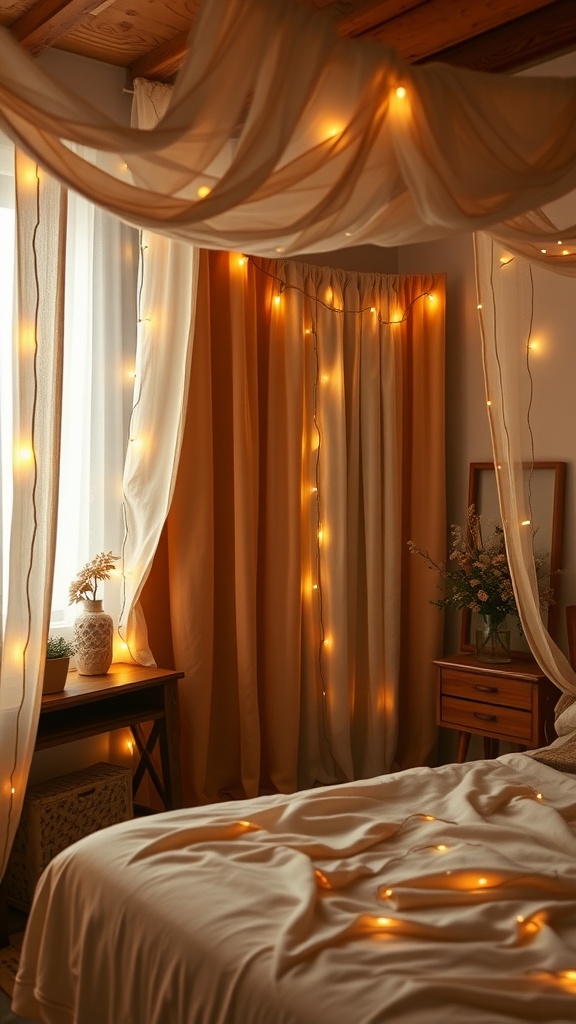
477 717
489 689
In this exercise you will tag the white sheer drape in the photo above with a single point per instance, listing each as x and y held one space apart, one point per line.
76 322
504 294
37 382
166 305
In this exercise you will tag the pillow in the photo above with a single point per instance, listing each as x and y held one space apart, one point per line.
562 757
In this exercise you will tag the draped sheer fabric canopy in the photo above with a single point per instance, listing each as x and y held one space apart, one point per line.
305 143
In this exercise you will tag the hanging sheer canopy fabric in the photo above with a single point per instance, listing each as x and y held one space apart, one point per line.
283 137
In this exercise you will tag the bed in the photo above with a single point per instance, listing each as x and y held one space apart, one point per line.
445 894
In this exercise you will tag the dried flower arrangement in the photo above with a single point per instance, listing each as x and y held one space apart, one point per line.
481 579
85 585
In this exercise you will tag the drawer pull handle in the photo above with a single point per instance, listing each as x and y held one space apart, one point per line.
485 689
484 718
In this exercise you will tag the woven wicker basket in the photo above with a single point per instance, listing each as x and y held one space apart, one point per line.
59 812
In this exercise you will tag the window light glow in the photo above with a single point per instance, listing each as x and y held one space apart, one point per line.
401 92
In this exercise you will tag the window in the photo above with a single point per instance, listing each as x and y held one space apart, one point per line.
99 352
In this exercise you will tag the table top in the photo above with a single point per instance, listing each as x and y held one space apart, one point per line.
518 668
119 679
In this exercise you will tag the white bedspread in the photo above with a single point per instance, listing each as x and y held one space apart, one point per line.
435 895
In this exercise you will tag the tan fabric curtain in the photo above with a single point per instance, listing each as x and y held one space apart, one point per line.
298 616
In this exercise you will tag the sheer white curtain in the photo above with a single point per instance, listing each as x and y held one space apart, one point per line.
166 307
97 398
66 397
36 394
504 288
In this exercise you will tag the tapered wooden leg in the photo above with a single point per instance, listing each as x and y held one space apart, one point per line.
491 747
463 744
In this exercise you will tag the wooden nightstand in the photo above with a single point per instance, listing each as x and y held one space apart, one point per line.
513 702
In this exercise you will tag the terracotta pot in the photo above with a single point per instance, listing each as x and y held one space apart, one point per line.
55 674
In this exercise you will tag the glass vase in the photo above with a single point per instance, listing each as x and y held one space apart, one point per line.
493 641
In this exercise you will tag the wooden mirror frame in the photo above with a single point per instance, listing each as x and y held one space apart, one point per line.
556 542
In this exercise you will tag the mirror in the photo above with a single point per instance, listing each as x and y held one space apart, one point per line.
547 502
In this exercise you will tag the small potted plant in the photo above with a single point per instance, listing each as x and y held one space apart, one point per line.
58 654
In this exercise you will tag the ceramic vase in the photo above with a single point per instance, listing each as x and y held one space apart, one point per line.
93 634
493 641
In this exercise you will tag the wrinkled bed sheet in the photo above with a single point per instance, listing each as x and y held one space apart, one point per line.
437 895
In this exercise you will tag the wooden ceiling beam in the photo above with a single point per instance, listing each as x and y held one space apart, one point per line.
161 63
48 21
419 33
532 39
548 29
373 13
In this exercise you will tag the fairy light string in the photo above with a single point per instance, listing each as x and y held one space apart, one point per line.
393 906
31 453
504 262
280 287
137 397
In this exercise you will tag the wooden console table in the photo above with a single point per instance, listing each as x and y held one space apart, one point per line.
127 696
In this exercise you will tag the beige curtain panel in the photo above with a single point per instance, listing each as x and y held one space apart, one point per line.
313 451
283 137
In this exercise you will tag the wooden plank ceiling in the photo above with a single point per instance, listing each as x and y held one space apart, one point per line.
148 37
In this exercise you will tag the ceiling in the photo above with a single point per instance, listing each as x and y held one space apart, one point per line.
148 37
